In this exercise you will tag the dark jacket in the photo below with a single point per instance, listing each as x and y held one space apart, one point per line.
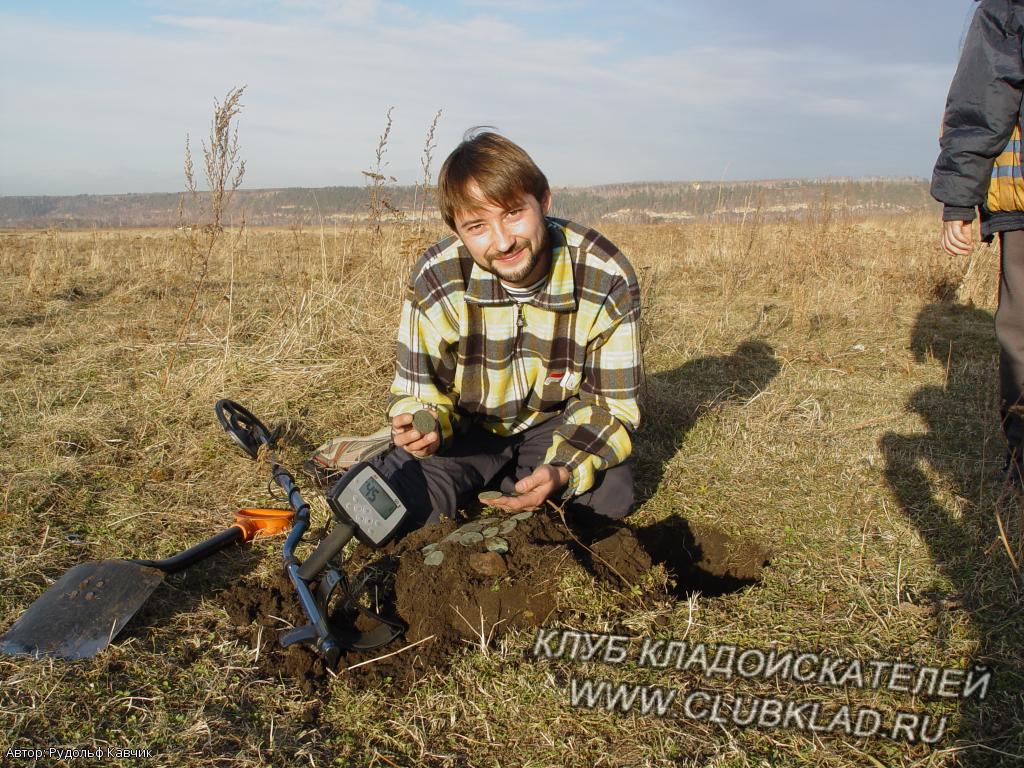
982 110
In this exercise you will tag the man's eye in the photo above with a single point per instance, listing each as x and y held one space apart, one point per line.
515 212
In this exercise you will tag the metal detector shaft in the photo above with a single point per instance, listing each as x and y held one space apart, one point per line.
325 642
302 574
335 541
250 434
332 544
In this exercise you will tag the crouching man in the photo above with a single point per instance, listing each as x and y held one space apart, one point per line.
520 335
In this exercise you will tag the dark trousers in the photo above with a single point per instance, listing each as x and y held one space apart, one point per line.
1010 335
479 460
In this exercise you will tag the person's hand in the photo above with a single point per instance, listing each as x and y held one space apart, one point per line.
408 437
957 238
534 489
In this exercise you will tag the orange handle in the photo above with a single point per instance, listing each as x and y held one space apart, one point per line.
256 523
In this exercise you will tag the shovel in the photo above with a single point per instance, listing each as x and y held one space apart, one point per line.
84 609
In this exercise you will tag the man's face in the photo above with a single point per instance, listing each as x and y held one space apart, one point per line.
510 242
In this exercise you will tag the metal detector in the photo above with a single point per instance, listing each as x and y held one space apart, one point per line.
364 506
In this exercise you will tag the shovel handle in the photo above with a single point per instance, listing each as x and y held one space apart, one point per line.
249 523
200 551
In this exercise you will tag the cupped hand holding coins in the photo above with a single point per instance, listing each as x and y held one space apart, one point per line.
532 491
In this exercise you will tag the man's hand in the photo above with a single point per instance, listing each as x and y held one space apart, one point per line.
408 437
957 238
534 489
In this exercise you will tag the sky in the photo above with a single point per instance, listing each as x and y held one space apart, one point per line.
98 97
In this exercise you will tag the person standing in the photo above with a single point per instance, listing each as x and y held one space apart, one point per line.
979 167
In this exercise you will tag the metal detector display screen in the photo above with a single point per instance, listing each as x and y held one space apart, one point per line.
364 498
379 500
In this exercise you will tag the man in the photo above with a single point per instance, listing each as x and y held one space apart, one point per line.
520 336
980 166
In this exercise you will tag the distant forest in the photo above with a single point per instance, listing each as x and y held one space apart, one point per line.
640 202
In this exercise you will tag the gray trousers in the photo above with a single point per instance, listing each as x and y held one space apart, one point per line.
479 460
1010 335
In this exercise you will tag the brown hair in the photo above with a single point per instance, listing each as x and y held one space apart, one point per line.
502 171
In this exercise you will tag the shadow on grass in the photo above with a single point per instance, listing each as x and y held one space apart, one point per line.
675 400
182 592
697 559
961 444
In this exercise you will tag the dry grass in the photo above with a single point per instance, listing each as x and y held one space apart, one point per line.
815 389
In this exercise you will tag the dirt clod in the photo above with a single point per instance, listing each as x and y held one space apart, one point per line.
487 563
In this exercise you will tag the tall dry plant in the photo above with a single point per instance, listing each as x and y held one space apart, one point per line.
423 189
423 233
224 171
380 205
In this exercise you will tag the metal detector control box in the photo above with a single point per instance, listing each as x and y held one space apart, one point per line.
363 498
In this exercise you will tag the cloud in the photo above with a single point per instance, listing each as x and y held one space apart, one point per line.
529 6
322 74
344 11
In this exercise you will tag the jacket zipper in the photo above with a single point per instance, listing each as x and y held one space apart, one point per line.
516 346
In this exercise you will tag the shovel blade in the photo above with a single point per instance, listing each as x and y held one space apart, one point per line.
83 611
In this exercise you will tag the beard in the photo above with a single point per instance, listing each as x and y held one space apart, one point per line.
527 263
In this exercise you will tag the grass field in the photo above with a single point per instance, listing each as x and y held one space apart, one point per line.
823 387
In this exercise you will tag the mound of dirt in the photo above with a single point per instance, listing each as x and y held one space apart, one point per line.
476 589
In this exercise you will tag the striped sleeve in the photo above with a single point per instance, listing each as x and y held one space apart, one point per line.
425 362
598 423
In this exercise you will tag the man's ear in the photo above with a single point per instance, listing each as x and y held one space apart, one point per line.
545 203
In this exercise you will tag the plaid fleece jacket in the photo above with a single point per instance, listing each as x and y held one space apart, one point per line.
470 352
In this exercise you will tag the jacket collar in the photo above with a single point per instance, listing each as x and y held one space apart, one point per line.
558 293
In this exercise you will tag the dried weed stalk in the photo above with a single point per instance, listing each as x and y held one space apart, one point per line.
224 171
380 204
420 236
423 189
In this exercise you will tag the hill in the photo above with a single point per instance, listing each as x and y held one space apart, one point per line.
635 202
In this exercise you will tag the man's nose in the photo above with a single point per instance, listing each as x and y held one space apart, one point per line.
503 238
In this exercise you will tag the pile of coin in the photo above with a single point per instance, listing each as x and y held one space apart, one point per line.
489 531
